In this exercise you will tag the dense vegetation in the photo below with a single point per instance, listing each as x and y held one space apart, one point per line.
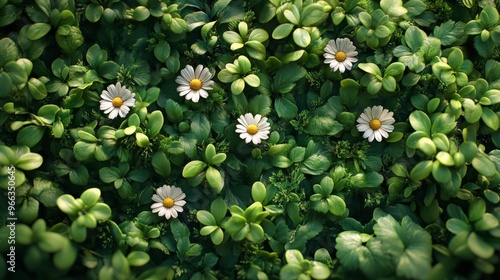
259 139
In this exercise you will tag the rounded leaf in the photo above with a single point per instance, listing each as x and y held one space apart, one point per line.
477 209
193 168
214 179
441 173
90 196
457 226
138 258
445 158
51 242
67 204
206 218
100 211
38 30
479 246
258 192
427 146
420 122
421 170
301 37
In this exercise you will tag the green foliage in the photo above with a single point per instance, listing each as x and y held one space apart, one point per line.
401 248
312 200
84 212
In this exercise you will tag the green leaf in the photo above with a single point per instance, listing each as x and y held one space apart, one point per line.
457 226
252 80
301 37
155 123
28 161
68 204
303 234
371 68
441 173
30 135
421 171
5 85
472 111
141 13
88 137
237 86
100 211
93 12
79 175
258 192
483 164
96 56
193 168
294 257
487 222
449 32
110 174
389 83
282 31
65 258
256 233
200 126
29 210
162 51
336 205
427 146
414 38
90 196
214 179
260 104
477 208
444 123
37 89
9 50
218 208
206 218
8 14
256 50
285 108
420 122
161 164
138 258
38 30
490 118
479 246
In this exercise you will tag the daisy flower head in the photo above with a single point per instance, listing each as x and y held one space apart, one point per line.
116 100
168 201
253 128
340 54
376 122
194 83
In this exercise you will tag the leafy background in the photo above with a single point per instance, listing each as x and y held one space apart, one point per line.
315 200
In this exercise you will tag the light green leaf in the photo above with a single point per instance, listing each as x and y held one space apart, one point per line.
193 168
420 122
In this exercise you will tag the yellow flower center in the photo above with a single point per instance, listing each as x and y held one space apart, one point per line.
375 124
195 84
117 102
252 129
340 56
168 202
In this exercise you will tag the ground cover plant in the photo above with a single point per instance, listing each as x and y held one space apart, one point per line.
250 139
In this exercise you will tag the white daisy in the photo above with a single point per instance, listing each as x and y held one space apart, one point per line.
340 54
117 100
194 83
169 201
376 122
253 128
